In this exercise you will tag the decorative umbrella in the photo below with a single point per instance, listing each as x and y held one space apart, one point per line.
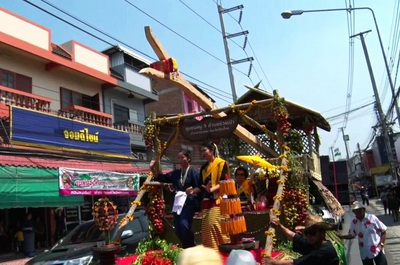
257 161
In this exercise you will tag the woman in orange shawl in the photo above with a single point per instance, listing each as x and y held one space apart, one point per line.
211 173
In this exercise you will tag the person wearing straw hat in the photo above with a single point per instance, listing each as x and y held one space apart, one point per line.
241 257
312 245
371 233
199 255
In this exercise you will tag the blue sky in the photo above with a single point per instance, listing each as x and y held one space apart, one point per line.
305 58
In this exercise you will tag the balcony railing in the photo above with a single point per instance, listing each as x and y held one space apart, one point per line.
130 126
10 96
88 115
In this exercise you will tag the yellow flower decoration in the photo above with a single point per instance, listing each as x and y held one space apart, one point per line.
280 181
276 212
277 197
131 217
138 203
269 233
286 148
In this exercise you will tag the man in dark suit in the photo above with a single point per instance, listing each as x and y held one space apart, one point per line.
186 183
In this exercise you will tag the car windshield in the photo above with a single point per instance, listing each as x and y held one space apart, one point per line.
87 232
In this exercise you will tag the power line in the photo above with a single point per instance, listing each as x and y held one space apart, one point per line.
254 54
218 30
211 92
346 113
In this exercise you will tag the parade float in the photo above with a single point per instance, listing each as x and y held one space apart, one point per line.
276 136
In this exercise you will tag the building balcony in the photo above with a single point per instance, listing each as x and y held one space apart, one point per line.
87 115
130 126
13 97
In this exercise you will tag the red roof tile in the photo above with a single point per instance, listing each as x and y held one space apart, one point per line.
26 161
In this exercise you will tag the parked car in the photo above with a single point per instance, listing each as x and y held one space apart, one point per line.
76 248
328 217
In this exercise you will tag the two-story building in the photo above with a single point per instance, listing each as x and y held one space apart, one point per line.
71 124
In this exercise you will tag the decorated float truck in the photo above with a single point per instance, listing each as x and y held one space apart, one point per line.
276 136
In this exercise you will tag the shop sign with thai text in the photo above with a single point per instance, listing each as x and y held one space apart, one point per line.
209 128
39 129
90 182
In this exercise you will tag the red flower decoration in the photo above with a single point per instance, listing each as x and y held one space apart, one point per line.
373 249
360 235
367 223
354 221
361 244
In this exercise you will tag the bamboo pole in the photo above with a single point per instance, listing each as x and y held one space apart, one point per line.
118 232
214 111
177 80
277 205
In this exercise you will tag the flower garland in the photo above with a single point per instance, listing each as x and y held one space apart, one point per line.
156 251
105 215
155 210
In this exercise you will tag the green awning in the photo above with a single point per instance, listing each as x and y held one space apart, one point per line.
32 187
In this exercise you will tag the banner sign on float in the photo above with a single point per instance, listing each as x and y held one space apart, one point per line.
209 128
90 182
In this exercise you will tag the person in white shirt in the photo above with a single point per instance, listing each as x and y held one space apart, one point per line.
371 233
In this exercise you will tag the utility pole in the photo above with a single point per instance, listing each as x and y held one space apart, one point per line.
381 118
334 173
349 168
225 36
362 168
346 139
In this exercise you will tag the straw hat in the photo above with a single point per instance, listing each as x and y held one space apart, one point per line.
241 257
312 219
199 255
320 226
356 205
59 209
316 223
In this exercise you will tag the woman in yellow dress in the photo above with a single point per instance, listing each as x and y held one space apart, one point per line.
211 173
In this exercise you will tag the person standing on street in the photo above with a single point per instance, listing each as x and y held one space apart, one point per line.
371 233
384 199
364 195
394 204
186 183
29 236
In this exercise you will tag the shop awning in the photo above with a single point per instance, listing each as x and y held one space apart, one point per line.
330 200
32 187
380 170
52 163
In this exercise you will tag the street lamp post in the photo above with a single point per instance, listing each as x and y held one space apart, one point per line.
290 13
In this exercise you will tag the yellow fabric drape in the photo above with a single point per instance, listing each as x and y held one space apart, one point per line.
214 169
245 188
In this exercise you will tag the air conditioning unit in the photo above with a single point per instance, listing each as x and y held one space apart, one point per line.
140 155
